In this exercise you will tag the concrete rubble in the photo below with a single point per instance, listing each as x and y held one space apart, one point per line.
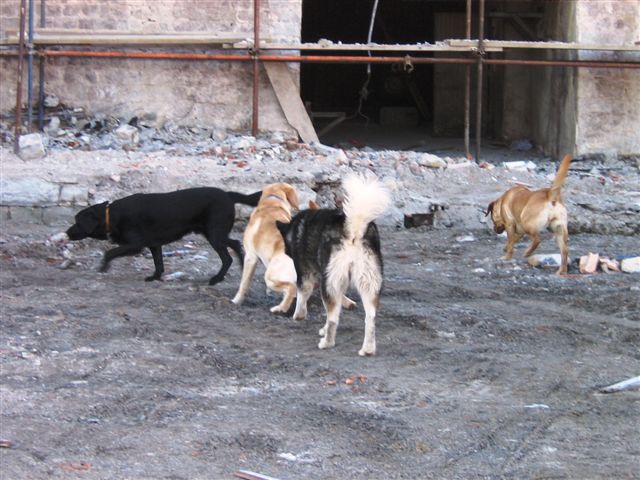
630 265
87 159
31 147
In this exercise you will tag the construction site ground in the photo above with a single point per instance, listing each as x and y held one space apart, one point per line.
485 368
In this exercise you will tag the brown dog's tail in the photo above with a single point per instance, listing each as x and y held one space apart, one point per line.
554 191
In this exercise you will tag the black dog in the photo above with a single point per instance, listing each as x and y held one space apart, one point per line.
156 219
337 248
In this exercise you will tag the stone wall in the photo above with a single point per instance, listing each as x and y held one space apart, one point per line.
608 100
212 94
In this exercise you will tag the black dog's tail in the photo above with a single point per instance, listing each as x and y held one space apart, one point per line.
251 199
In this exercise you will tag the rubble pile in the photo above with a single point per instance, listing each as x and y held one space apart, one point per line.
81 159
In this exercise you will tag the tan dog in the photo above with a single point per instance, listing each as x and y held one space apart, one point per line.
520 211
262 240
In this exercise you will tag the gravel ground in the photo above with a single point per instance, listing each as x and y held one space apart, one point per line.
485 369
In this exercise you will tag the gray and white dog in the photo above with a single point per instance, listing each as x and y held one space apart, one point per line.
338 248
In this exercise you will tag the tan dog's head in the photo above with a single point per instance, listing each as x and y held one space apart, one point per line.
494 210
281 194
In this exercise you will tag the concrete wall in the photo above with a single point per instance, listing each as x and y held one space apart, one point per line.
553 89
212 94
608 100
511 85
581 111
449 80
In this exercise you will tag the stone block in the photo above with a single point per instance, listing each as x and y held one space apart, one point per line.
128 134
24 214
32 147
543 260
28 192
58 216
53 128
74 195
51 101
589 263
431 161
630 265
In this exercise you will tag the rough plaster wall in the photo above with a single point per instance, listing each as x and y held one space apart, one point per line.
189 93
553 90
608 99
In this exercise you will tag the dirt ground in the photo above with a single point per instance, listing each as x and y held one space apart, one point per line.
485 369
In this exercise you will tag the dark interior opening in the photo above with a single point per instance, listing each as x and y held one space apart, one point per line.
385 109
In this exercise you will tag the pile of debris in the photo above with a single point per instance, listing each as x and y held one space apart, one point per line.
590 263
593 262
83 159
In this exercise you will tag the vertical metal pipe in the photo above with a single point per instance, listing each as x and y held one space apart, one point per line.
467 89
256 66
479 80
30 69
41 71
23 11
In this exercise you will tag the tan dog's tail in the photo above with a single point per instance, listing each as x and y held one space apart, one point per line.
554 191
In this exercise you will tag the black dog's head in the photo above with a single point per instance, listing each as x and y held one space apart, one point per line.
90 222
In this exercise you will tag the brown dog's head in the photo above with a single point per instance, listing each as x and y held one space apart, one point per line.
282 194
494 210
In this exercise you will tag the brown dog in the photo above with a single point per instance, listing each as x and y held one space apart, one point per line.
520 211
262 240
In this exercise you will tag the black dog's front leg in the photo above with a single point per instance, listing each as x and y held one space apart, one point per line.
121 251
156 252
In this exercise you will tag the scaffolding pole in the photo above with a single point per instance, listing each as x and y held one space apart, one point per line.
23 11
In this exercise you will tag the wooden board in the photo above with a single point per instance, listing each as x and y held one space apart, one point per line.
289 97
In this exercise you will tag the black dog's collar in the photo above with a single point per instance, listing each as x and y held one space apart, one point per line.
107 220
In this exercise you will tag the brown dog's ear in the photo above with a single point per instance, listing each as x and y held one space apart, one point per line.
313 205
489 208
292 197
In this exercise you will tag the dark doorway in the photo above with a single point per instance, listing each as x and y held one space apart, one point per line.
395 108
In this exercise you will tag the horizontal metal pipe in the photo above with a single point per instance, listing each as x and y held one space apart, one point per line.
325 59
330 59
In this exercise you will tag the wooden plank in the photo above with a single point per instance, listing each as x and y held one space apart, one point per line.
88 32
103 37
289 97
544 45
62 36
373 47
